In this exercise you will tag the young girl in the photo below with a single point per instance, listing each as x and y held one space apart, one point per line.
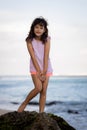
38 44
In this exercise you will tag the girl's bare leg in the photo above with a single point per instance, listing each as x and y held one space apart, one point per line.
33 93
42 99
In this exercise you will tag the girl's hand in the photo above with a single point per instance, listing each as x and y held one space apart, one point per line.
43 77
39 74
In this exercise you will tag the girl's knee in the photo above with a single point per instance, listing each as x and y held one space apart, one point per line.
37 83
39 88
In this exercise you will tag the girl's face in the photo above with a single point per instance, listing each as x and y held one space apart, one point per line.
39 30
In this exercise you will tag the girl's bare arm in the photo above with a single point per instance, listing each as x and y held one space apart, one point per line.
46 55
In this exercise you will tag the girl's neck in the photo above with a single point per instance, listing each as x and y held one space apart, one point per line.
38 38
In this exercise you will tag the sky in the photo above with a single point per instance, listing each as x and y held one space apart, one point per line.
67 24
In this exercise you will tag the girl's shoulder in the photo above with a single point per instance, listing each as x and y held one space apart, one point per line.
29 41
48 38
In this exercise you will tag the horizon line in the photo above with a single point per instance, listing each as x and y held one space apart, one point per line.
51 76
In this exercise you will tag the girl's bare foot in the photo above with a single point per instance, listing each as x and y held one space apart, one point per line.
21 108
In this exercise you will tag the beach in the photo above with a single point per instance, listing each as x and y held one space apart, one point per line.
3 111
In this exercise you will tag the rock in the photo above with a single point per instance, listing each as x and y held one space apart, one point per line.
33 121
73 112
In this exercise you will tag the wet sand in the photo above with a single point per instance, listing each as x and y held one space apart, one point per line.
3 111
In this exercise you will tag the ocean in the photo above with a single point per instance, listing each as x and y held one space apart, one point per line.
66 97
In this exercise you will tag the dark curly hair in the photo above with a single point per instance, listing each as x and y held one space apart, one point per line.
42 22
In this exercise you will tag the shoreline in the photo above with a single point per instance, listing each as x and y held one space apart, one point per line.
4 111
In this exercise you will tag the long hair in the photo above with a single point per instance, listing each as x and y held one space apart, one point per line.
42 22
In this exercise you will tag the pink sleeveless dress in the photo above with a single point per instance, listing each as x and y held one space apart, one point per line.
38 48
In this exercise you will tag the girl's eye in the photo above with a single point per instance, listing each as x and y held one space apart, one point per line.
41 28
36 27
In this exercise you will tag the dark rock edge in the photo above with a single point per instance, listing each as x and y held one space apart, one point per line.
33 121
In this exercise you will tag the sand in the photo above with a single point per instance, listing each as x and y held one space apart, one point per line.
3 111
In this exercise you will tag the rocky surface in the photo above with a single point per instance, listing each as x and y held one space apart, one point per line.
32 121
